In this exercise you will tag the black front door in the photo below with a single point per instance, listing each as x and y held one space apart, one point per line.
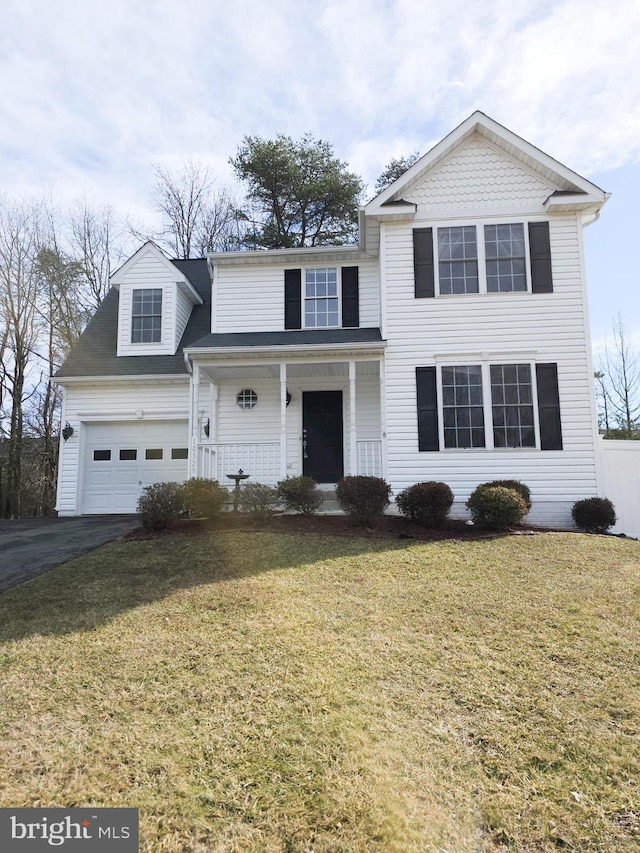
322 454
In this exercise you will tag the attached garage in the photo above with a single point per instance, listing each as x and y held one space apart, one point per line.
121 458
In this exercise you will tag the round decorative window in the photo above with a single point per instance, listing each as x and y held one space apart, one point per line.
247 398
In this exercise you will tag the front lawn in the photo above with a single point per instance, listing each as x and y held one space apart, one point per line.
270 693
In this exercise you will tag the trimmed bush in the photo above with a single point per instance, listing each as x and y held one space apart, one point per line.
363 499
427 503
523 490
258 499
300 494
496 508
204 498
160 505
594 515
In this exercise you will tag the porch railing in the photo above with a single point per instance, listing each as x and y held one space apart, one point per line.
369 458
260 460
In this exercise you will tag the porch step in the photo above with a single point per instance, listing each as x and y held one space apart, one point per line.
329 503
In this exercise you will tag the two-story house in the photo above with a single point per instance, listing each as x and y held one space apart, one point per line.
451 344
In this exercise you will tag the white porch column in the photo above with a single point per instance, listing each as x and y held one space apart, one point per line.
353 462
383 419
194 417
213 412
283 420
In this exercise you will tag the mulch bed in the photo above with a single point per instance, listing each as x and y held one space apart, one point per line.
389 527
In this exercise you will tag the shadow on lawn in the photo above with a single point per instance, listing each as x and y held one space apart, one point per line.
94 589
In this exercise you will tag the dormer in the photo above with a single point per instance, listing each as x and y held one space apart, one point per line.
155 303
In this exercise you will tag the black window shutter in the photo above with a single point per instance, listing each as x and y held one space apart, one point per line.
423 262
549 407
427 408
293 299
350 300
540 254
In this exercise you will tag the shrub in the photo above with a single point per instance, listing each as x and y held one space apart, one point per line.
160 505
300 494
427 504
258 499
204 498
594 515
496 508
523 490
363 499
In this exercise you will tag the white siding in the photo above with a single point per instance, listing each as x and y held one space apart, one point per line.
150 272
101 402
251 298
477 175
499 328
184 306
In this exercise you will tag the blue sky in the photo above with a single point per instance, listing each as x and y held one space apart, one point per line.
92 94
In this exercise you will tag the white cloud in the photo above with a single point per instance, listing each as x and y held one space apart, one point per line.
92 93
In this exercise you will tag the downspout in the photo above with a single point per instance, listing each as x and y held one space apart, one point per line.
598 461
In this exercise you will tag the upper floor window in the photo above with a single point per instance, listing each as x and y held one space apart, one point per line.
505 258
321 302
146 316
458 260
483 258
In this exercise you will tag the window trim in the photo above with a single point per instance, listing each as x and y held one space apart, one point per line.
135 290
481 253
304 297
485 365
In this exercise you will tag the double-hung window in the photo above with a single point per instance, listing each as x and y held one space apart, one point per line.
458 260
505 256
493 406
462 411
321 300
512 405
146 316
511 257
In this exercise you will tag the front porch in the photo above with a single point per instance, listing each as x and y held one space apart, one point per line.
262 460
276 419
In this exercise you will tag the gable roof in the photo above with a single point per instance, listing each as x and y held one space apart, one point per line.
150 248
95 353
390 200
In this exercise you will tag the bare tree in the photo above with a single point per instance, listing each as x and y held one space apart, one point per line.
96 242
61 286
18 300
618 378
198 217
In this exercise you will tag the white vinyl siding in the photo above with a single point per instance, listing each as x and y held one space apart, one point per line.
127 401
469 329
250 298
150 273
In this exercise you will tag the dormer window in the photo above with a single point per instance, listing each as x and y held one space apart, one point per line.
146 316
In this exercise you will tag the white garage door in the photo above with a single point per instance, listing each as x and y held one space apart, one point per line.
120 459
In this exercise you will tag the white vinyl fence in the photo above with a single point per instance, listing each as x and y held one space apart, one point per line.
621 483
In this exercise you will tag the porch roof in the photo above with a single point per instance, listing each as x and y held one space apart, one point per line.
306 338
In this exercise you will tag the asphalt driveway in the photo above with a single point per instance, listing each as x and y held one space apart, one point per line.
30 546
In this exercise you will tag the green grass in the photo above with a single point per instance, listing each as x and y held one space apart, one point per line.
258 692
